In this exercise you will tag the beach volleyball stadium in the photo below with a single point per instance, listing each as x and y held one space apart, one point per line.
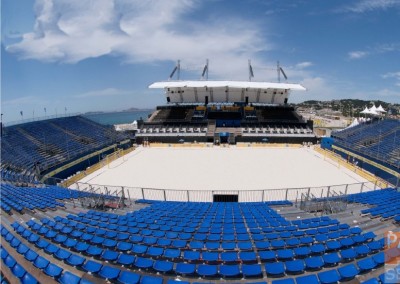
226 182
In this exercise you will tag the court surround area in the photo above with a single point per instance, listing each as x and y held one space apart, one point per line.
225 169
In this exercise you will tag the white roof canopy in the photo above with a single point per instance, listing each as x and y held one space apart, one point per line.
226 84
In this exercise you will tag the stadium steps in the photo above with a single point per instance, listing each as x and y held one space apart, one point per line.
211 128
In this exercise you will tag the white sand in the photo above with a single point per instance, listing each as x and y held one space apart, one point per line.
215 168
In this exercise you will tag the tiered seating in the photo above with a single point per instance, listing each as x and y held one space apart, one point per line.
208 240
375 139
49 143
386 203
20 198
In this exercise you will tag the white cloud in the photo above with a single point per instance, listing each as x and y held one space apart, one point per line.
371 5
103 93
304 64
357 54
27 100
69 31
391 75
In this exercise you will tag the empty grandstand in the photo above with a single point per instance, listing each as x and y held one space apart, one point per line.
373 145
32 150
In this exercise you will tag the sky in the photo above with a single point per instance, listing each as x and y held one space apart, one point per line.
100 55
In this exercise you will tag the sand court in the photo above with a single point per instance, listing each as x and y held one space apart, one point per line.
222 168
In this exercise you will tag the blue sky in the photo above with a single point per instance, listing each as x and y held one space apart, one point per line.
101 55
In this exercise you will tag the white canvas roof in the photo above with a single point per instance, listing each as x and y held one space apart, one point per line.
229 84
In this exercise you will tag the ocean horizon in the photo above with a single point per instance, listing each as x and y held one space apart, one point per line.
112 118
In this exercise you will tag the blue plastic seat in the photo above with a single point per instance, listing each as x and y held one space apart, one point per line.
70 243
229 257
109 255
210 256
301 252
314 263
42 243
51 249
143 263
295 266
108 272
196 245
172 253
267 256
331 259
92 266
309 279
139 249
283 281
28 279
81 246
151 280
94 251
53 270
185 268
207 270
372 281
229 270
69 278
285 254
155 251
251 270
172 281
128 277
348 272
247 256
40 262
348 255
275 269
125 259
22 249
75 260
212 245
366 264
62 254
31 255
163 266
379 258
262 245
362 251
329 277
191 255
18 270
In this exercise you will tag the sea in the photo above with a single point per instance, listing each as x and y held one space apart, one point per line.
111 118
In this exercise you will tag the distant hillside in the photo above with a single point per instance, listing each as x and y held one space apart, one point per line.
347 106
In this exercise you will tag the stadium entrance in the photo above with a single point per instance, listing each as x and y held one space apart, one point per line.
225 198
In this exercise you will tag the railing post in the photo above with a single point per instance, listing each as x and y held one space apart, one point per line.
187 194
165 196
345 191
376 181
322 192
329 189
263 198
142 193
286 195
362 186
308 192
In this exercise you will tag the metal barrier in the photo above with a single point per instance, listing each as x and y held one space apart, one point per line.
292 194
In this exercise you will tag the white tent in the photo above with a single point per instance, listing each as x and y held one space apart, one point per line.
354 123
366 111
380 109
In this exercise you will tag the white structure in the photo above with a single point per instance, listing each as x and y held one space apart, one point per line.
226 91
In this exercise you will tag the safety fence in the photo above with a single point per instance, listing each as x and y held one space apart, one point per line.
292 194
